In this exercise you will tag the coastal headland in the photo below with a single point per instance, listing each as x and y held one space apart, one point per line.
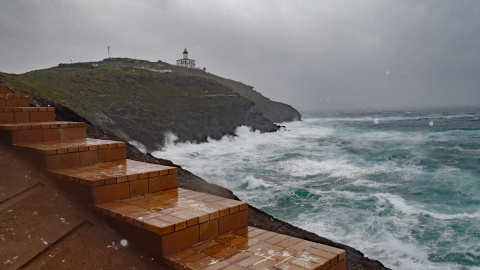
129 99
121 103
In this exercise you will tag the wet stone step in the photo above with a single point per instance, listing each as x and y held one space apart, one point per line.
14 100
252 248
52 155
26 114
4 89
60 147
41 125
122 179
15 133
114 172
179 217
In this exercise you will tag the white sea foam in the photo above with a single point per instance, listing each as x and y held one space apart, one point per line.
340 168
346 194
369 236
448 169
254 183
408 249
407 255
335 194
371 184
411 209
170 138
462 216
398 202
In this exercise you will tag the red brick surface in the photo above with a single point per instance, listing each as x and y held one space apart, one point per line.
242 249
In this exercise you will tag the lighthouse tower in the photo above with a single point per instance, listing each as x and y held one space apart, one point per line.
185 62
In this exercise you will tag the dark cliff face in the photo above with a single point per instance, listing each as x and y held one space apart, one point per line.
224 120
278 112
214 123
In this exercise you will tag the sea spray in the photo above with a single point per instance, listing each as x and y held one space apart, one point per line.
392 185
141 147
170 138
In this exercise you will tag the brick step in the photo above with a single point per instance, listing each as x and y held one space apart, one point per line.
4 89
14 100
30 132
26 114
50 155
252 248
174 219
115 180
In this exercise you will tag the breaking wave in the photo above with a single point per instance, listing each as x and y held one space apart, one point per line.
389 184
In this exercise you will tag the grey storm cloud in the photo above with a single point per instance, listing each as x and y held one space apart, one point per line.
314 55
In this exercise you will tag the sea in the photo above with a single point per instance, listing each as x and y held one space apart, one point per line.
403 187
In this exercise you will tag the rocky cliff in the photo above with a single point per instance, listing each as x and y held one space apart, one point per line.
275 111
136 100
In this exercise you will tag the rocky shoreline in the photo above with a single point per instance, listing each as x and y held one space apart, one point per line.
256 217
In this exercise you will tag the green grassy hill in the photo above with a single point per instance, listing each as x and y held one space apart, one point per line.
142 105
275 111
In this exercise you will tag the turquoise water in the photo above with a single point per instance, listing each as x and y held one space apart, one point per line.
402 187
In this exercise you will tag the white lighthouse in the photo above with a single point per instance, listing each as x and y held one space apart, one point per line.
185 62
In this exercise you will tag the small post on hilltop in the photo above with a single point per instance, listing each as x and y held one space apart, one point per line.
108 48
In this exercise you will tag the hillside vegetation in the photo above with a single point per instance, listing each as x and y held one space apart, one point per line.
275 111
143 105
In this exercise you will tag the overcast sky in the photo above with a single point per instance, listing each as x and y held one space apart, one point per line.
314 55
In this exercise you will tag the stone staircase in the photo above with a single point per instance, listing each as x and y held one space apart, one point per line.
185 229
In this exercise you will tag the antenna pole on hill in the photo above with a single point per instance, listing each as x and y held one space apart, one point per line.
108 47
